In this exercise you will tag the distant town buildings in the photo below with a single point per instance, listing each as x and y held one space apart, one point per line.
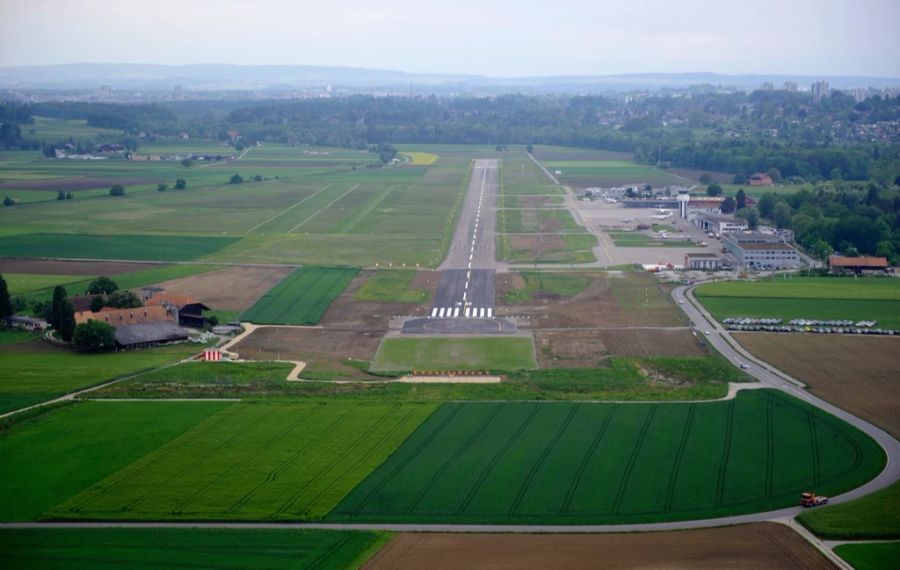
819 89
768 86
790 86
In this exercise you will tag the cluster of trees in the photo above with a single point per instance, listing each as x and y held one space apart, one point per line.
852 220
180 184
106 115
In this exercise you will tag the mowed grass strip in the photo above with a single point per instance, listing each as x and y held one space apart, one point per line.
131 247
872 517
870 556
261 461
49 458
388 285
570 463
819 298
184 547
469 353
302 297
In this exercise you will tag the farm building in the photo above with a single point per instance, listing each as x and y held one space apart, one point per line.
28 323
861 264
187 310
702 261
760 179
83 302
140 327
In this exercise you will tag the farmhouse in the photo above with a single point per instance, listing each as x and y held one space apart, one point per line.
861 264
188 311
702 261
28 323
139 327
760 179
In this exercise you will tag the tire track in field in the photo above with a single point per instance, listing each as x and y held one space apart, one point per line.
186 469
371 450
402 465
320 561
281 213
459 451
676 468
520 496
327 469
770 447
629 467
179 509
496 459
726 452
317 212
163 452
814 445
285 464
582 467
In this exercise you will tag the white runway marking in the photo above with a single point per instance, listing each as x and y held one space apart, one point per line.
482 311
456 312
285 211
490 312
468 310
325 208
434 312
441 312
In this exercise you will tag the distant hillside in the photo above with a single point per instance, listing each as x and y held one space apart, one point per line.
228 77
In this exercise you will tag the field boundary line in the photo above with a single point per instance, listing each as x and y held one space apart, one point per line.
281 213
814 444
428 439
629 467
582 466
459 451
319 211
327 468
286 463
770 446
496 459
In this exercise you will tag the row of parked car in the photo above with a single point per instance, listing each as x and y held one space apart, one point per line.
798 322
813 329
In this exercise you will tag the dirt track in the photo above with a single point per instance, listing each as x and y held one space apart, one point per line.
58 267
859 374
229 289
763 545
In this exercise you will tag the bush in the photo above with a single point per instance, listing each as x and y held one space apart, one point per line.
162 187
61 195
95 336
236 179
117 190
180 184
102 285
123 299
9 201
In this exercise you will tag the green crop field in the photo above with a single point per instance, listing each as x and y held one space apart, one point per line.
469 353
34 372
556 463
130 247
19 283
819 298
302 297
870 556
49 458
55 130
389 285
872 517
638 239
179 548
279 461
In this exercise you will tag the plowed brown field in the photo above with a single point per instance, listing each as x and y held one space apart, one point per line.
858 373
229 289
764 545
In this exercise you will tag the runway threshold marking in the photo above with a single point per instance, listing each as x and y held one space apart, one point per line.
286 210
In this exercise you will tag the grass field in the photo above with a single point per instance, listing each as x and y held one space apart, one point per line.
19 283
388 285
537 220
261 461
421 158
469 353
543 285
302 297
34 372
536 463
49 458
623 379
638 239
821 298
584 167
136 247
872 556
178 548
875 516
546 248
55 130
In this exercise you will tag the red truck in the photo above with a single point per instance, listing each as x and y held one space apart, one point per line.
812 500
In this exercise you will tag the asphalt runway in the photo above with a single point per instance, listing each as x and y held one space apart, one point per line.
464 293
473 241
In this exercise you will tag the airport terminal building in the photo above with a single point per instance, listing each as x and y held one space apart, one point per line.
761 251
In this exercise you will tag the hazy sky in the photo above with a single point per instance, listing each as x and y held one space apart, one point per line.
491 37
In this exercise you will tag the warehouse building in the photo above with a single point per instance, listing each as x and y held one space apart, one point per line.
702 262
761 251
